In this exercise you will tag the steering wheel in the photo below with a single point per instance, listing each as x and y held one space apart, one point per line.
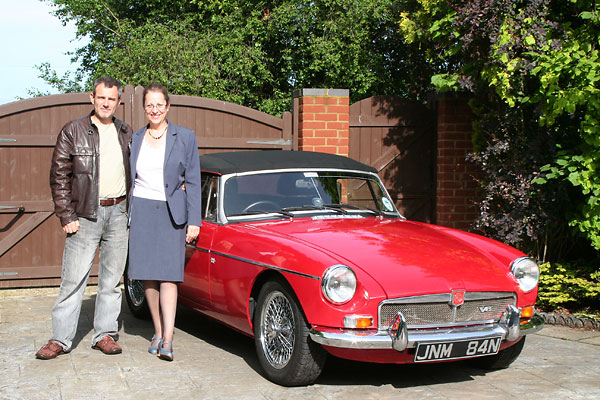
262 202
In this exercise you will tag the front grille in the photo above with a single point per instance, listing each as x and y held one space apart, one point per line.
434 310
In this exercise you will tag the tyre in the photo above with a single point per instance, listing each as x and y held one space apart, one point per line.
501 360
285 351
136 297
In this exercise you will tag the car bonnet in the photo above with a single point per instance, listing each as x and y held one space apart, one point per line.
407 258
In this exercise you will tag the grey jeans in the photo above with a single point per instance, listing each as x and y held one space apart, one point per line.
110 232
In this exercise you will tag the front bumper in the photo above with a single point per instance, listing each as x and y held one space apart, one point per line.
400 338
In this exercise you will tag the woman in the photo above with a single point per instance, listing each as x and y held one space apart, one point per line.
164 212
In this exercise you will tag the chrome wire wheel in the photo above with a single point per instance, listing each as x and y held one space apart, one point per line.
284 349
136 296
136 292
277 330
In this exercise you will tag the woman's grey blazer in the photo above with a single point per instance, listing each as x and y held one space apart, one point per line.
182 165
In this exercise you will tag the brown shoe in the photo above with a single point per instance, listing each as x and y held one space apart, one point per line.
50 350
108 346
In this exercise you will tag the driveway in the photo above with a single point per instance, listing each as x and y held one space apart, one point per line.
214 362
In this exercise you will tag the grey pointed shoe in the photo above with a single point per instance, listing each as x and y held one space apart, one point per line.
164 353
155 343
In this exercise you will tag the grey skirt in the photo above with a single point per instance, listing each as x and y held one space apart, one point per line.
156 244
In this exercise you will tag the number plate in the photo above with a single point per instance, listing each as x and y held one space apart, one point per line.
452 350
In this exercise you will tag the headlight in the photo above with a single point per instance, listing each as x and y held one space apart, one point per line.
527 273
338 284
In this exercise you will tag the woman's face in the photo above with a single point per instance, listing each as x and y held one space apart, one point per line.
156 107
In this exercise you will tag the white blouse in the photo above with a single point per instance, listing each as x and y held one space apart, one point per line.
149 180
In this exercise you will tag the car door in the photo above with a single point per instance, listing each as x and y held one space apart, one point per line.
196 285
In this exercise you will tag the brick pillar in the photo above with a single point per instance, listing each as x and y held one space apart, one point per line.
322 119
457 189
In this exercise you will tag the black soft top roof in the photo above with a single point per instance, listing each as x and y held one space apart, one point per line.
244 161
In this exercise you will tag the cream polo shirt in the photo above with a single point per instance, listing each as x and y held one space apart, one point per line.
111 169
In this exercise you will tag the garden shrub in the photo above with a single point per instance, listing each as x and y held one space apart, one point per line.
569 285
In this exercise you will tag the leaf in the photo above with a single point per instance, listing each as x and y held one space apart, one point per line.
588 15
529 40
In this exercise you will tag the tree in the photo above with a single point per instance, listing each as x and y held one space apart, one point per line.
68 83
569 79
532 68
253 53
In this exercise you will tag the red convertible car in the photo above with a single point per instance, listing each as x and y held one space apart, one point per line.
307 253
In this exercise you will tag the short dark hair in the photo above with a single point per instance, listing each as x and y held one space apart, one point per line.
108 82
156 87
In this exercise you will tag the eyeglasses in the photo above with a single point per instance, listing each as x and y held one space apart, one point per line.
160 107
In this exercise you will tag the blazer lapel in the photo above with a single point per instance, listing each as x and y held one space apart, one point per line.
136 145
171 136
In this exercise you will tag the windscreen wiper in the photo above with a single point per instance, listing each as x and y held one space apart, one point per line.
355 207
331 207
283 212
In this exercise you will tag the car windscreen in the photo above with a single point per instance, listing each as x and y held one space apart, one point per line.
311 192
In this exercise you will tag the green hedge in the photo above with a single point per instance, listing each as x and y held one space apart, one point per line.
573 286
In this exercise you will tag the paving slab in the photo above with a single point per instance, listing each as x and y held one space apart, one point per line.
215 362
563 332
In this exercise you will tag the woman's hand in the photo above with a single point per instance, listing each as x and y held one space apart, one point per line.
192 233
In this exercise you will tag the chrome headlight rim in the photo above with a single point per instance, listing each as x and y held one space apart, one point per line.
527 273
330 284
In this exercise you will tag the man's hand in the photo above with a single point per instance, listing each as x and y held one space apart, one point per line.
72 227
192 233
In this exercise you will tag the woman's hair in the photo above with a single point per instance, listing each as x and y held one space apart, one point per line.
155 87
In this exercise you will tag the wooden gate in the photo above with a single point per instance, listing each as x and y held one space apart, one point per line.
31 241
397 137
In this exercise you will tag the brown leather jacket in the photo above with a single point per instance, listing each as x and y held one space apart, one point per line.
74 170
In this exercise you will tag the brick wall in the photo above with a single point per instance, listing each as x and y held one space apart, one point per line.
323 117
457 188
321 123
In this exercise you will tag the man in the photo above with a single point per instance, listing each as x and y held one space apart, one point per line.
89 179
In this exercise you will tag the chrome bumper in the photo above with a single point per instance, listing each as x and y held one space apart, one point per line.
398 337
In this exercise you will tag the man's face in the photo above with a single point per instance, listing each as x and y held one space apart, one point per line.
105 102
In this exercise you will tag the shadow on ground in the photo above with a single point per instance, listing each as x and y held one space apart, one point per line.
337 371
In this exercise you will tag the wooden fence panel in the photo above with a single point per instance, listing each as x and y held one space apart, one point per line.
397 137
31 240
